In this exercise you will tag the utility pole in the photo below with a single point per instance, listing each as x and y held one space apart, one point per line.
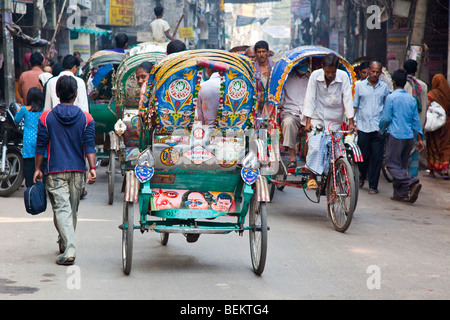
418 32
8 52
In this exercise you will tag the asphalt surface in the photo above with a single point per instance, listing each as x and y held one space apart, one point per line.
392 250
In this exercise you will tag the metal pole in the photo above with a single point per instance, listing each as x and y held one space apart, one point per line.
418 33
8 53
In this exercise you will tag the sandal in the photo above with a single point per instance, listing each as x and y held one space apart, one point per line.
373 191
68 262
312 184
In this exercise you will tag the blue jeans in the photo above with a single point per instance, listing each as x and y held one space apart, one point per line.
64 190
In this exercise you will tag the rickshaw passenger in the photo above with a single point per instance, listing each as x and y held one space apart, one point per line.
250 53
328 98
294 92
142 75
208 98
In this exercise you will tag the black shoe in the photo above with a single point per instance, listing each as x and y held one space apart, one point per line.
415 189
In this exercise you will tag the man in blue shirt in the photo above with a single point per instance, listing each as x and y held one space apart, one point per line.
401 120
370 95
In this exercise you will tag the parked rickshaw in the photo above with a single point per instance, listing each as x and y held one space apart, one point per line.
99 74
339 183
191 178
124 139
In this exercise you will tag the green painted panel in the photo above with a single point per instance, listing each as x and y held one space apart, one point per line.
104 116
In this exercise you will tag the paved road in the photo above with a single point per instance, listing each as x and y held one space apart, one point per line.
391 251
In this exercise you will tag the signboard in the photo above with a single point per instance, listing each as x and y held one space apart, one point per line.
187 33
120 13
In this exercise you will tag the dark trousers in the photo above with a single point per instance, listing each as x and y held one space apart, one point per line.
28 170
397 154
372 147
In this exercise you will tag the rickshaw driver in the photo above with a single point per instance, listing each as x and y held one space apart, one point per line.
328 98
294 92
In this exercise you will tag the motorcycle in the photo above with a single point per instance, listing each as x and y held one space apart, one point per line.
11 162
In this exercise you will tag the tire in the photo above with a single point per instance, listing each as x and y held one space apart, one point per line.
111 176
341 203
258 234
127 236
271 190
12 178
355 170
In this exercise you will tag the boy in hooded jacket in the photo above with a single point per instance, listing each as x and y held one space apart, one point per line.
68 136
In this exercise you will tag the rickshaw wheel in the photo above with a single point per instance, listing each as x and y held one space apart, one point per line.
111 176
341 202
258 234
127 236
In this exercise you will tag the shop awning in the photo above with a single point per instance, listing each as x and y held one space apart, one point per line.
92 30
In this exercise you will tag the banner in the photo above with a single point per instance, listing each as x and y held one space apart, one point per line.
243 20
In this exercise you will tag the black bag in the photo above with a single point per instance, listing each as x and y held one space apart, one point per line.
35 198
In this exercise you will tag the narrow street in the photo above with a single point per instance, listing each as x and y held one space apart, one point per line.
391 251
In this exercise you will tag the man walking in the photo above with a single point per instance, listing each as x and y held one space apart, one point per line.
401 119
369 98
30 78
70 65
68 134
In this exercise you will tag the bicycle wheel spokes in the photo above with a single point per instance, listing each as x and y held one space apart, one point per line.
339 195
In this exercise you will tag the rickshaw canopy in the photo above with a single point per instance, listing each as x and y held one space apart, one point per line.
173 86
311 54
127 92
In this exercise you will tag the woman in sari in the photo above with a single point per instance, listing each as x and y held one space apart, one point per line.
438 142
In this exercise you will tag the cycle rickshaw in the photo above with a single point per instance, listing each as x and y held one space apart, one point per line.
98 74
339 183
124 138
192 179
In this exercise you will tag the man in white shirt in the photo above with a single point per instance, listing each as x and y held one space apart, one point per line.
70 65
328 98
208 98
291 109
159 28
